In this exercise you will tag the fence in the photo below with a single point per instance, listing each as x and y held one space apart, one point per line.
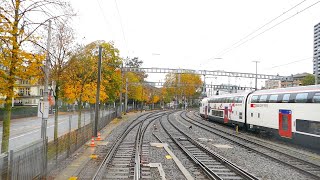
35 160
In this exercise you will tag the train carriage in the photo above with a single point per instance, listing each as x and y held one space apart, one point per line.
228 108
203 111
292 113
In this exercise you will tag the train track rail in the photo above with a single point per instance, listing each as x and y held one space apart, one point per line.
123 158
212 164
275 154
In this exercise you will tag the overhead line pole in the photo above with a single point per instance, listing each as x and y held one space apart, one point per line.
96 118
256 78
45 108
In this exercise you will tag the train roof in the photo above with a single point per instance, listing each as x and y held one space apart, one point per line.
297 89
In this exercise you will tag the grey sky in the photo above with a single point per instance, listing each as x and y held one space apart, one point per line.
190 33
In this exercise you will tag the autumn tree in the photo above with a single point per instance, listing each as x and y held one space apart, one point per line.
135 80
18 32
181 86
62 46
80 78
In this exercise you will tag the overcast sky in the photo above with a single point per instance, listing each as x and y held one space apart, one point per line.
192 33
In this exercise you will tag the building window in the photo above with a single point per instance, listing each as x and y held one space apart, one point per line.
27 91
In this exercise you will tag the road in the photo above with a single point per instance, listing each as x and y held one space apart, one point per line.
24 131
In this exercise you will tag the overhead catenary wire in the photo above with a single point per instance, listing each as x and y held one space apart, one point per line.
122 30
259 28
106 19
292 62
273 26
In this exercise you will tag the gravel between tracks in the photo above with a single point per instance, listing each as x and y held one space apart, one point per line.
256 164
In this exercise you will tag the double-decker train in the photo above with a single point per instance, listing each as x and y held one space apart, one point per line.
290 113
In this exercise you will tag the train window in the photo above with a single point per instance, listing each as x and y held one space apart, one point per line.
263 99
301 98
233 100
286 98
273 98
316 98
312 127
254 99
240 99
251 114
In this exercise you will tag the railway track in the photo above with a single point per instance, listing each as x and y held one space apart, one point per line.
212 164
123 158
268 151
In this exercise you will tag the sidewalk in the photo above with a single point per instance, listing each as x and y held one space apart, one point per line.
76 165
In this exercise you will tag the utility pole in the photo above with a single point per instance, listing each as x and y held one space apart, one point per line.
256 79
120 116
126 98
96 117
45 104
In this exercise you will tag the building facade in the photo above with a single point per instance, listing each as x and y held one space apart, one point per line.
289 81
316 50
272 84
27 94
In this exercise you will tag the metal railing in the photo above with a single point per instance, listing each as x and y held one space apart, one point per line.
37 159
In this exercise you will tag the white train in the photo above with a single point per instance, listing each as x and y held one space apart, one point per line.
291 113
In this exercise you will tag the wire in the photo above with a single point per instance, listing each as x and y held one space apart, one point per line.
259 28
105 19
290 63
273 26
124 37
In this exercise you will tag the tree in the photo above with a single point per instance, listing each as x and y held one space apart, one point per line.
181 87
62 46
308 80
80 77
17 33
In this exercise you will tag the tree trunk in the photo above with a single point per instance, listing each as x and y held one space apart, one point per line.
56 98
79 114
11 82
6 125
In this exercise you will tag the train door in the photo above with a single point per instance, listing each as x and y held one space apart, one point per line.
225 118
285 123
206 112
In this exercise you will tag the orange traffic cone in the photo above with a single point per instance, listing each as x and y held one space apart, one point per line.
99 137
92 142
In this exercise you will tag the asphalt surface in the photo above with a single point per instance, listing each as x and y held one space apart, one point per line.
25 131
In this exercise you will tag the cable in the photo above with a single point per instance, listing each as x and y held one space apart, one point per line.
259 28
274 25
124 37
105 19
290 63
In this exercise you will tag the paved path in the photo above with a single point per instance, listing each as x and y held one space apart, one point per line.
27 130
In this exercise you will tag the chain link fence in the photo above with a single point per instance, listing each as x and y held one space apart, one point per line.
35 160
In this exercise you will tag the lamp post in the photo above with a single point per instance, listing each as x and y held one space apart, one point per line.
256 78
